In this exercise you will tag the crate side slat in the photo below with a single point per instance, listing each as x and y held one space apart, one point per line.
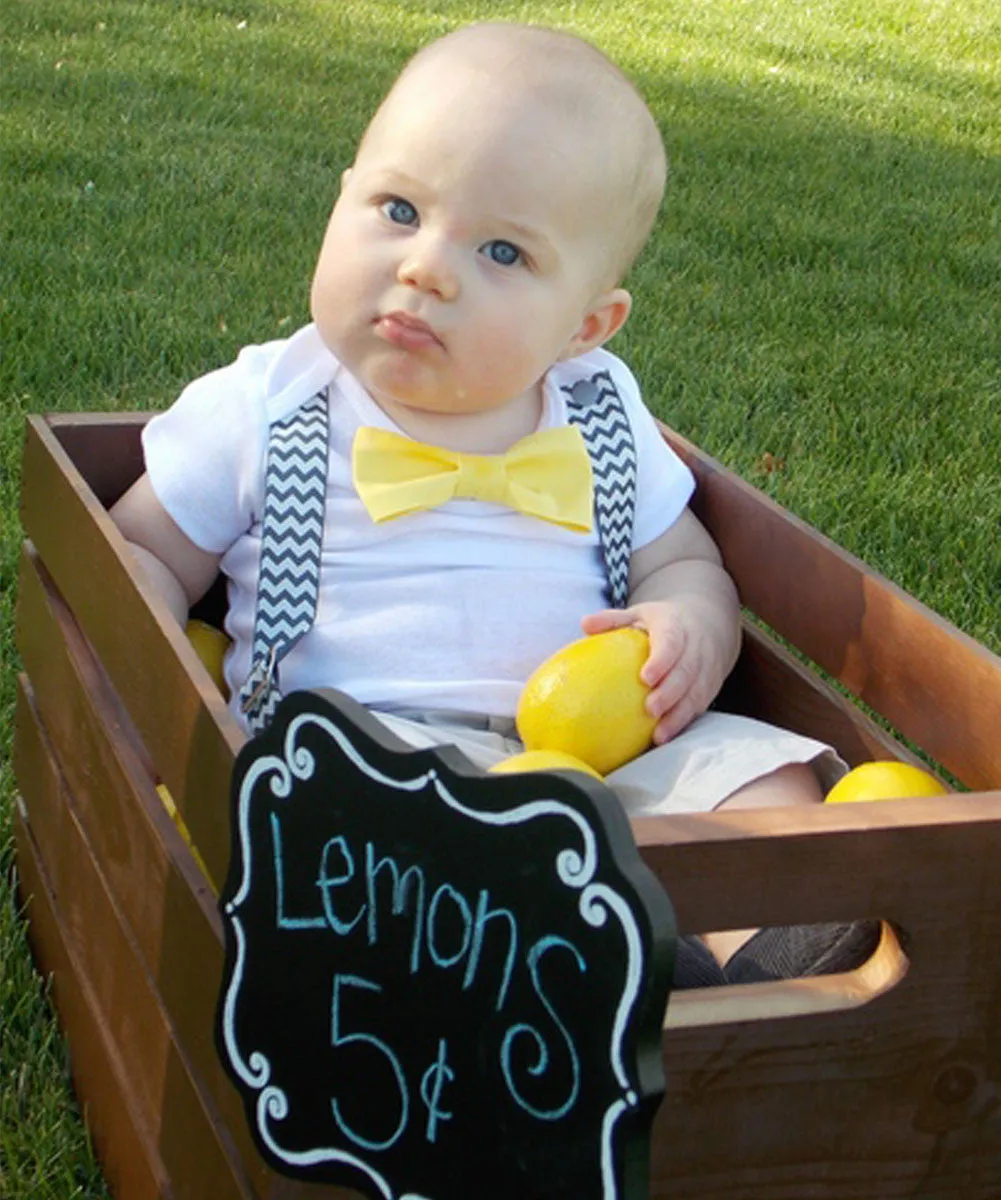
84 421
933 683
731 1129
929 865
770 684
124 1148
767 1108
170 913
145 866
718 1141
850 1106
191 1138
182 719
159 892
105 448
86 719
925 862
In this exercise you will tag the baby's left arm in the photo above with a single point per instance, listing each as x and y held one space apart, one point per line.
687 603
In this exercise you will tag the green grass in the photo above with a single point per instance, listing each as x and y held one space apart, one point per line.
823 287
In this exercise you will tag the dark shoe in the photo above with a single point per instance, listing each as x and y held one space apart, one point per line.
694 965
796 951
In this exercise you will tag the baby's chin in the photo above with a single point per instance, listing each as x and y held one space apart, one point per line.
400 390
455 405
423 386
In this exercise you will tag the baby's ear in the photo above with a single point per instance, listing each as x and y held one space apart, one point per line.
605 317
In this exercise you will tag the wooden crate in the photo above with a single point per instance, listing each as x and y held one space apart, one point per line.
882 1083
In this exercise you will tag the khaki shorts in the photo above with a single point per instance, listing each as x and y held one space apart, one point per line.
695 772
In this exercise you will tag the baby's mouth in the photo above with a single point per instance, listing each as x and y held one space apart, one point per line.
407 331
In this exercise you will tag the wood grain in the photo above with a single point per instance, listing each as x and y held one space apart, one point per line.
938 687
928 862
105 448
770 684
168 1098
156 889
132 1167
183 721
896 1097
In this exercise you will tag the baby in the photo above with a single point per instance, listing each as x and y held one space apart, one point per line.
470 276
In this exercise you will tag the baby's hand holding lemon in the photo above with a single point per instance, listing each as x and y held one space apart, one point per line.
588 700
690 654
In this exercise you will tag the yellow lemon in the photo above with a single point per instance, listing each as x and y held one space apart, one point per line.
587 700
172 810
542 760
210 645
884 781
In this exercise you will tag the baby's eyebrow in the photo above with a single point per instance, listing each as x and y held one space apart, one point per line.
390 179
535 239
526 232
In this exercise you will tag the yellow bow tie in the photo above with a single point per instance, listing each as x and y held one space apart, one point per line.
546 475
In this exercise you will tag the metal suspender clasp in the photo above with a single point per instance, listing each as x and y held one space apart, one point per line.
259 681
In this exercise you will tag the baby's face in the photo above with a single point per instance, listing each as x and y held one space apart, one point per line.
464 252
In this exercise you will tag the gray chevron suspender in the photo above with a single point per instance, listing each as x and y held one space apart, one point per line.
295 488
596 408
295 497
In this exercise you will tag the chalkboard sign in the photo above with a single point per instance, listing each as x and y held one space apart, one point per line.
439 984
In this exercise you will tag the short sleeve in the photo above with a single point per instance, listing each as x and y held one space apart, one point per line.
205 454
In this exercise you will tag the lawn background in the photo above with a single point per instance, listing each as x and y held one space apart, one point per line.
819 306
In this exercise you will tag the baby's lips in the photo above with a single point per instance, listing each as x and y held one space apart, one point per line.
406 331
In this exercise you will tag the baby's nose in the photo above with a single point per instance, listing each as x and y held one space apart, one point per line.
429 268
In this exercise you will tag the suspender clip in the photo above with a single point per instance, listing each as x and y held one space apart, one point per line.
264 673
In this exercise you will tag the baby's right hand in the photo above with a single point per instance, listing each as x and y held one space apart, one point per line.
684 670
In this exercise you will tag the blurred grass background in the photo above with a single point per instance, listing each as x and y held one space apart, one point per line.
819 307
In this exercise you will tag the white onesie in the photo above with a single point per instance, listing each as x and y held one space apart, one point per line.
449 609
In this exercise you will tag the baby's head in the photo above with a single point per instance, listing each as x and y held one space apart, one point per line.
497 198
586 116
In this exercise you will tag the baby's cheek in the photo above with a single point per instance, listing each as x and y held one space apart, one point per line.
507 360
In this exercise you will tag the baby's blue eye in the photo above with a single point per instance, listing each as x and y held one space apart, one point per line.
400 211
505 254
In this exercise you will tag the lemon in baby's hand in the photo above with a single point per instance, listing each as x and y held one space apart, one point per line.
541 760
587 700
210 645
884 781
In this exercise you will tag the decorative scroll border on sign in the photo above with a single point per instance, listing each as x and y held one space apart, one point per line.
573 866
